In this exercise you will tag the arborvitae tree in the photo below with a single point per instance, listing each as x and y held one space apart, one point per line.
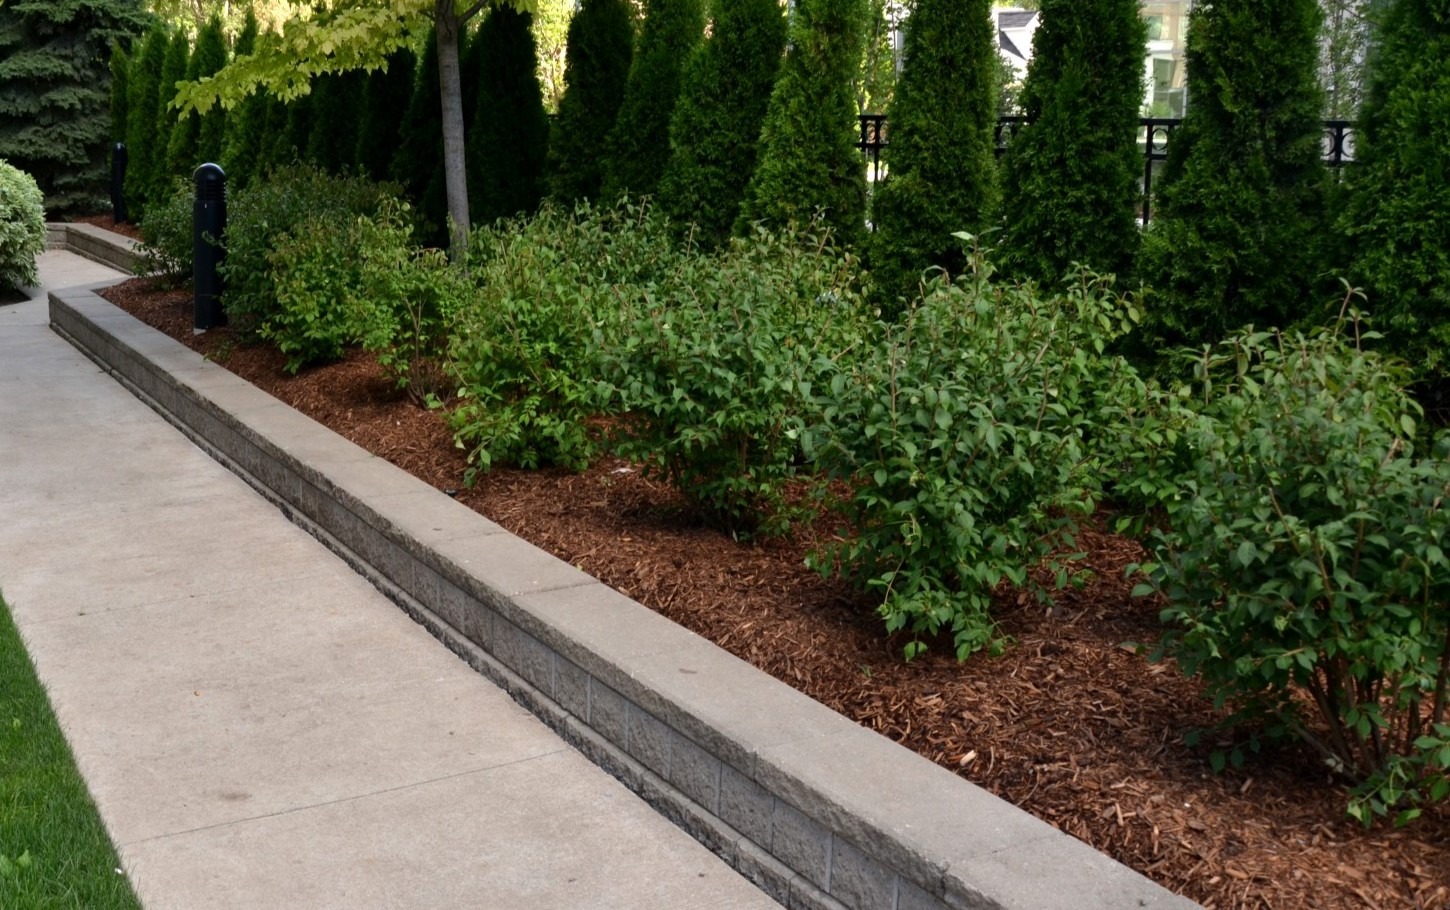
141 117
508 140
388 92
211 56
1399 184
418 162
55 92
337 100
297 129
241 145
639 143
1070 179
715 131
1239 216
120 91
173 70
942 167
808 155
274 153
601 47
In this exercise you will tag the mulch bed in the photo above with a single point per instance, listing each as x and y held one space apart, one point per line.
1071 724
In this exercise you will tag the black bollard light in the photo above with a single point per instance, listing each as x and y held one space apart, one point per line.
209 225
118 183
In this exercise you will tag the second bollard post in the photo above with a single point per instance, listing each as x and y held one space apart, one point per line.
209 225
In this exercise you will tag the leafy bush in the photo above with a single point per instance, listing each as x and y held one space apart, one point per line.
716 365
523 350
1303 567
967 441
260 214
316 278
167 234
22 227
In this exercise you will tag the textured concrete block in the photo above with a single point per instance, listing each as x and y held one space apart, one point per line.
801 843
858 881
911 897
649 741
697 774
571 688
764 871
525 655
608 713
746 806
806 896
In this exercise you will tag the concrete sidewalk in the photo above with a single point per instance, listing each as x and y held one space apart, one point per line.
259 726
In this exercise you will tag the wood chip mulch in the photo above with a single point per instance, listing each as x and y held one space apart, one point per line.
1072 724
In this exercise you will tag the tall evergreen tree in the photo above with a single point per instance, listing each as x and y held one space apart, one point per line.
55 92
336 114
1238 223
141 117
418 163
508 140
1399 184
1070 178
639 143
242 147
173 70
715 132
808 156
120 91
197 138
942 168
600 49
388 93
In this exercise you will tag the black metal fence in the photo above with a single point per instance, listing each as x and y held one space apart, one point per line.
1154 136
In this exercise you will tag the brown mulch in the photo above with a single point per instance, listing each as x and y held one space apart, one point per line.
125 228
1071 724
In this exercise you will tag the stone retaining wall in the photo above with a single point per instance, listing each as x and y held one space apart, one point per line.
816 810
96 244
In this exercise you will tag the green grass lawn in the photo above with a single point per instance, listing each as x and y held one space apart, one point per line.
54 852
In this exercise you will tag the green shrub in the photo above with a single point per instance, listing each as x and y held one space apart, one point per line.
943 174
808 160
318 309
1303 566
716 366
601 48
523 348
1399 184
1070 178
639 143
967 441
259 215
1239 220
715 130
167 234
22 227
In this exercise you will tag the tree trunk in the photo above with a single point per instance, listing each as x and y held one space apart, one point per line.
451 89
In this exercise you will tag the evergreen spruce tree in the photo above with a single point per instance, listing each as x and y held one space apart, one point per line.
141 117
1070 179
1397 216
508 140
639 143
1237 225
715 131
942 175
388 93
418 164
120 91
55 92
173 70
808 158
600 49
241 147
336 114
